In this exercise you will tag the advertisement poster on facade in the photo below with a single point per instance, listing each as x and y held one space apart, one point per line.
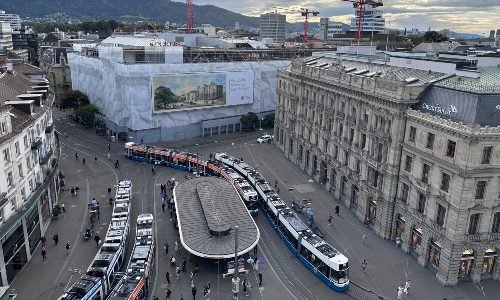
184 91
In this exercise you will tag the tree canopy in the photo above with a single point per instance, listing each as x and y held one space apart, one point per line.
74 99
249 120
164 96
269 120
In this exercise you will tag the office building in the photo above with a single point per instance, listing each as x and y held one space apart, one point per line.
273 26
373 20
328 29
13 19
5 36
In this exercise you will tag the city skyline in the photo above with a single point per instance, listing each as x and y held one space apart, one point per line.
458 15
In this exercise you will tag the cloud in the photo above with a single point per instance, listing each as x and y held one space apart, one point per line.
478 16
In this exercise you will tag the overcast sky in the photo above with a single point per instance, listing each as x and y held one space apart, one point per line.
473 16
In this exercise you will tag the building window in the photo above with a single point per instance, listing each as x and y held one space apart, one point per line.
413 134
25 142
380 152
341 128
450 150
13 205
363 141
18 151
373 176
405 192
408 163
358 166
346 156
486 155
441 214
495 227
351 138
9 179
28 161
6 155
23 194
480 189
20 169
474 224
425 173
445 182
335 152
430 140
421 203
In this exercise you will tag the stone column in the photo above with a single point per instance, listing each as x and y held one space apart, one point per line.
26 238
3 270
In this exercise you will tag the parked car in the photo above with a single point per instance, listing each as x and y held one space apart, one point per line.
265 138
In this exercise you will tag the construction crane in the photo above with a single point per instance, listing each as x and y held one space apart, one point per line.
189 16
360 13
305 12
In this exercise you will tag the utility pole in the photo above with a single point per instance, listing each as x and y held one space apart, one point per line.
236 279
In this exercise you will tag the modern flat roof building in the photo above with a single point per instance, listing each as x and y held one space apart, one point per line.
273 26
13 19
208 209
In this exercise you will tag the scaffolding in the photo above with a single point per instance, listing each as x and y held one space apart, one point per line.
202 55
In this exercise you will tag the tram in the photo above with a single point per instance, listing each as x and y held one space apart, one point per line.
328 264
100 277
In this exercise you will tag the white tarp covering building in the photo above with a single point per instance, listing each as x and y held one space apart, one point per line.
152 95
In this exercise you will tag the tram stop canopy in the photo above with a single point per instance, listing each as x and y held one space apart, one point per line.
208 209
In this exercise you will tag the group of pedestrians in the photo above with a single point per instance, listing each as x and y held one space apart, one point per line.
404 288
55 238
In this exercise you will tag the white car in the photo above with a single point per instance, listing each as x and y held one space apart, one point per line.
265 138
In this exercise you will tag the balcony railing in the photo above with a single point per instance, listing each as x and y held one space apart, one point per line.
473 237
45 159
495 236
36 143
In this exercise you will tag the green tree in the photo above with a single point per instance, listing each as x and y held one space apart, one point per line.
434 37
269 120
86 113
74 99
164 96
249 120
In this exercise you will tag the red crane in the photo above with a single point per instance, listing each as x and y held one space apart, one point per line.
305 12
189 16
360 13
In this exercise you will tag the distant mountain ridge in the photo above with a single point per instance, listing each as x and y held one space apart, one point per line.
154 10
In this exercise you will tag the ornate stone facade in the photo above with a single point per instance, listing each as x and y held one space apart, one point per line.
347 124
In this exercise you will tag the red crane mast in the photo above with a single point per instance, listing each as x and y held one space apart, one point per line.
360 13
189 16
305 12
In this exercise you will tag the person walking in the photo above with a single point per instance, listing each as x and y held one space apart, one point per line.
176 247
97 239
400 292
177 272
330 220
76 155
255 250
68 247
363 265
44 254
56 238
168 277
196 268
43 239
110 201
63 207
184 265
95 159
193 291
98 211
244 284
83 160
256 264
109 147
172 261
169 292
260 279
407 286
72 191
181 298
337 210
109 156
165 247
109 190
163 206
153 172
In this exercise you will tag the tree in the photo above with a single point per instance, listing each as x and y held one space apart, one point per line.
74 99
249 120
434 37
164 96
269 120
86 113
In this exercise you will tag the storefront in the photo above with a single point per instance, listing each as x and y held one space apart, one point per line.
354 196
33 226
489 262
45 205
400 226
434 254
466 265
371 212
14 250
415 240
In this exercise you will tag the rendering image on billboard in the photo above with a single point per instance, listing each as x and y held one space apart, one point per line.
182 91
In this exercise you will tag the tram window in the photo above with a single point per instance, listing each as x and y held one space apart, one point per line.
306 253
324 269
338 276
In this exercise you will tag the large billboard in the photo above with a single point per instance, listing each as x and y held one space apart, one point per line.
182 91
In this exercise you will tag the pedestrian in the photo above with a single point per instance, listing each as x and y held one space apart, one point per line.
400 292
244 284
110 201
193 291
153 172
165 247
176 247
260 279
363 238
196 268
256 264
109 147
249 288
43 239
72 191
276 184
76 155
169 292
117 164
407 286
97 239
330 220
168 277
77 190
177 272
172 261
83 160
98 210
56 238
163 206
95 159
255 250
109 156
337 210
109 190
184 265
68 247
181 298
44 254
192 283
192 274
363 265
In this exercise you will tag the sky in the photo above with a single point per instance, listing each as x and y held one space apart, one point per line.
470 16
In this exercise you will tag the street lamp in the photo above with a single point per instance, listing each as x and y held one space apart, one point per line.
236 279
260 123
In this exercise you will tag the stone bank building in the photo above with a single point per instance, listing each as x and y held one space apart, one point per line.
414 153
